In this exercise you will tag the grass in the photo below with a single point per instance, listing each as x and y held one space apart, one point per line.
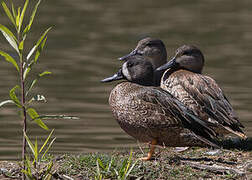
166 164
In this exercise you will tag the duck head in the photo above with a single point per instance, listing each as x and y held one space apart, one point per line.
136 69
152 49
187 57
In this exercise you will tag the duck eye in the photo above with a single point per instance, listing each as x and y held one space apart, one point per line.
149 44
186 53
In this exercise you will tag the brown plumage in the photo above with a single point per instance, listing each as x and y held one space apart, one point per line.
151 114
183 79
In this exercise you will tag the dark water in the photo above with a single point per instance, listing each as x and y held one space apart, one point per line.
87 38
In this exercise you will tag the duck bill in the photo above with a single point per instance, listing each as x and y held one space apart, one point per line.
170 64
115 77
132 53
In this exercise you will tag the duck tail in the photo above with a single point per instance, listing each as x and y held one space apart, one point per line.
205 133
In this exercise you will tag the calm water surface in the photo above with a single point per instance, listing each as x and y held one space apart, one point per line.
87 38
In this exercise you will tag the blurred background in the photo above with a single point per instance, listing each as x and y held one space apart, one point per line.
82 48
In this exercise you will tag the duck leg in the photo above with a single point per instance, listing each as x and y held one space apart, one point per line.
152 148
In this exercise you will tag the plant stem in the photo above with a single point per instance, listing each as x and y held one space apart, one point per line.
22 85
24 113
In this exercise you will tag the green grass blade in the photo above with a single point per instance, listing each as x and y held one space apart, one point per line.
9 37
22 15
100 163
129 162
32 148
46 141
48 147
130 169
35 117
6 102
8 13
9 59
47 174
13 96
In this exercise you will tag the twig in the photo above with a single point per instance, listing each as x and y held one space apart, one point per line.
214 168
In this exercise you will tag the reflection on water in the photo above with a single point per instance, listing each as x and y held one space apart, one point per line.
86 40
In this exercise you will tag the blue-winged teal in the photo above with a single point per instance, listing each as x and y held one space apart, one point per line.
153 50
150 114
183 79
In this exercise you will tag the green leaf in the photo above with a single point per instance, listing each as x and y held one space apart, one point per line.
6 102
44 73
100 163
22 15
9 37
35 80
28 27
8 13
13 13
14 97
26 72
35 117
31 52
17 17
46 141
32 148
21 46
31 86
48 147
58 117
39 49
9 59
42 39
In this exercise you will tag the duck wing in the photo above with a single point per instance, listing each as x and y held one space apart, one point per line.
203 95
170 112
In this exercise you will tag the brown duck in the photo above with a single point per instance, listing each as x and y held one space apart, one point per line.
153 50
201 94
151 114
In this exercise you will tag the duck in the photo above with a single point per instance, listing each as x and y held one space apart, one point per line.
152 115
152 49
183 78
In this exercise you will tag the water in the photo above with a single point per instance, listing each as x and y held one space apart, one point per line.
87 38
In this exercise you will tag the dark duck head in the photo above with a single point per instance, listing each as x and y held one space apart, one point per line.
152 49
187 57
136 69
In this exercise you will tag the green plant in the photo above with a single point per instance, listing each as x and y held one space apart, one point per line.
121 171
36 169
24 65
124 171
102 168
21 94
